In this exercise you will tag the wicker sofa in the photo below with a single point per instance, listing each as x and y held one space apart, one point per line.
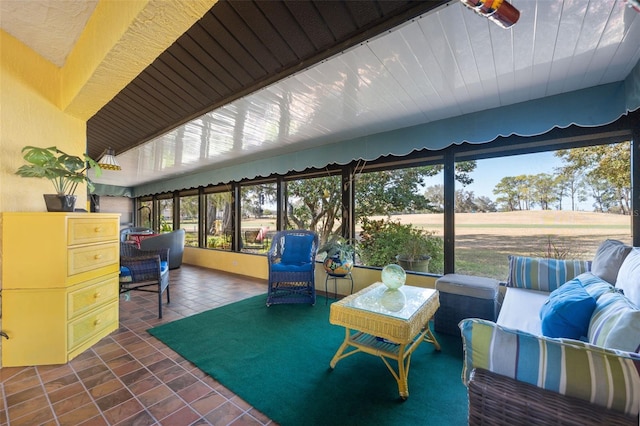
522 370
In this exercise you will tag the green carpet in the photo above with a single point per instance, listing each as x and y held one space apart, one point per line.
277 359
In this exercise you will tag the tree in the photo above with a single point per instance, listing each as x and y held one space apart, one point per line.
254 197
485 204
570 183
216 202
316 203
465 202
543 189
507 193
607 165
602 193
435 195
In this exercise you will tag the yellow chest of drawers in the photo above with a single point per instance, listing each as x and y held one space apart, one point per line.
59 284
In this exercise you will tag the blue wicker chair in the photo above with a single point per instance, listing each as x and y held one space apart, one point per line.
292 267
144 270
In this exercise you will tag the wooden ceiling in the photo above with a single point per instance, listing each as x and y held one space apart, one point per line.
237 48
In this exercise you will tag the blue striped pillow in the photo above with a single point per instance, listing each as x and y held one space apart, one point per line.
615 323
543 274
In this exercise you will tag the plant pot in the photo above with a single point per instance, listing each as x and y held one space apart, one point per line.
420 264
60 203
336 267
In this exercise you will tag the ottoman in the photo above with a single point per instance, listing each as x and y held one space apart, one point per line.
464 296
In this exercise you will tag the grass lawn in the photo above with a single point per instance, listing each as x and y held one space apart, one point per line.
484 240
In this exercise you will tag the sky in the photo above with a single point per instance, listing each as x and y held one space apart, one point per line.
490 171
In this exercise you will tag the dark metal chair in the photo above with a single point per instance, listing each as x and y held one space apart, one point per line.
173 240
144 270
133 230
292 267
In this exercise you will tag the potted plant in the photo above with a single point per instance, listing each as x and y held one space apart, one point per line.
383 242
414 248
339 256
63 170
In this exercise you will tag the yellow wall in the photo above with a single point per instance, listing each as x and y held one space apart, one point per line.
256 266
43 105
29 117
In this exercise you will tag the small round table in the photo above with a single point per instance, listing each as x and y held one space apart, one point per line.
335 279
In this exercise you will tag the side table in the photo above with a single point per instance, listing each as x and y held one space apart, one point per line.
387 324
335 279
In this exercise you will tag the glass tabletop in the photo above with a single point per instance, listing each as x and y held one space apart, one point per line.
401 303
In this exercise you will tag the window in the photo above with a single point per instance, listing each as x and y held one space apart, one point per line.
190 218
145 214
559 204
399 219
166 214
315 204
218 228
258 217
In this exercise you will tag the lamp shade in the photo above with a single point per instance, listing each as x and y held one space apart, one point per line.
498 11
108 160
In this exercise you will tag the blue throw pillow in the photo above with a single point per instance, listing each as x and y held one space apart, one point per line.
297 249
568 311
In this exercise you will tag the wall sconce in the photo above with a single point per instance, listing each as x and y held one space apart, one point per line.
498 11
108 160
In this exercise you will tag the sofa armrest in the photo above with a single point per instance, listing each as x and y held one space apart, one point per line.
605 377
500 400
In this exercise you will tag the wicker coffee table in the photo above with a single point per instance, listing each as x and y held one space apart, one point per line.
390 324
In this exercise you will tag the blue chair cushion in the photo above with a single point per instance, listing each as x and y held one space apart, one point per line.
292 267
164 266
297 249
568 311
125 275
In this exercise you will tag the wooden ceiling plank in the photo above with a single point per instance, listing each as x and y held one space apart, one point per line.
281 19
263 28
196 66
150 103
313 23
164 101
237 51
222 56
195 80
157 72
244 34
182 78
339 17
198 50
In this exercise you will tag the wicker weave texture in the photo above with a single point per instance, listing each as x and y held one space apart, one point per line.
388 327
298 284
146 273
499 400
454 308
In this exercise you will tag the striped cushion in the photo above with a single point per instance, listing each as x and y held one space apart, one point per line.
615 323
605 377
594 285
543 274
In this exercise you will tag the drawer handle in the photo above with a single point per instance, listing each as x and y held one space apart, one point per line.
98 229
98 256
97 295
98 321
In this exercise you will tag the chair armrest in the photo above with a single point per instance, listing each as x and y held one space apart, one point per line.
602 376
130 250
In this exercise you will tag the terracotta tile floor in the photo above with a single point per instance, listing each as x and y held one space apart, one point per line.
129 377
